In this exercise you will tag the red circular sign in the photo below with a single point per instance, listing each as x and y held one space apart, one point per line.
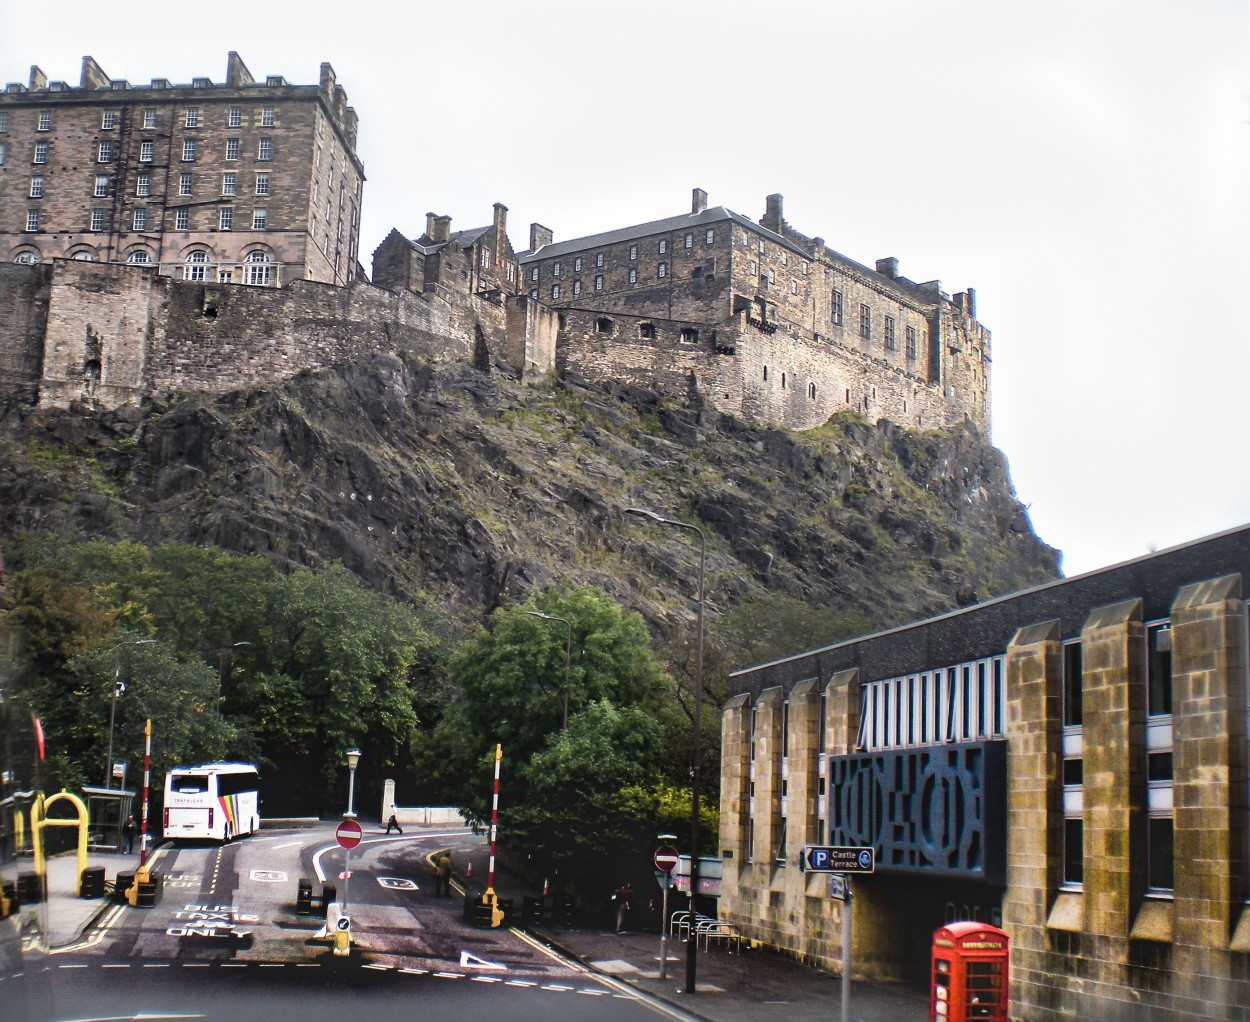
349 833
665 858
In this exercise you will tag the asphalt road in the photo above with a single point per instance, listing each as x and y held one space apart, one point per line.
225 942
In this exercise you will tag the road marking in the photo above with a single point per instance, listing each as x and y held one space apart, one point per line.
520 983
449 975
380 968
117 965
486 979
156 965
592 993
469 961
416 972
269 876
195 965
71 966
289 844
397 883
558 986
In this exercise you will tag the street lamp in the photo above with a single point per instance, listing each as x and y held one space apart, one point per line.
119 687
353 757
696 751
222 653
568 655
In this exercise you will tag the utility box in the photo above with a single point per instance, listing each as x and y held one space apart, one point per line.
969 973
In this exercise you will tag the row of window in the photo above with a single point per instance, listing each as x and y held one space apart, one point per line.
557 268
105 151
192 117
257 266
99 219
865 325
143 184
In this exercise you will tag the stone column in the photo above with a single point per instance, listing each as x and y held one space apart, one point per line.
1114 701
735 785
1034 796
842 706
766 773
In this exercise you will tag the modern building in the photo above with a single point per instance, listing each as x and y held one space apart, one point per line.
764 322
1069 763
250 182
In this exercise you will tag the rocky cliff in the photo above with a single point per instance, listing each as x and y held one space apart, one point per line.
441 480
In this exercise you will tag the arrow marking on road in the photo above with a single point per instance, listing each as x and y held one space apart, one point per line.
468 961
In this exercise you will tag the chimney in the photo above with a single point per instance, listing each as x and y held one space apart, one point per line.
236 71
972 303
38 80
93 76
501 232
540 236
772 215
437 228
698 201
888 267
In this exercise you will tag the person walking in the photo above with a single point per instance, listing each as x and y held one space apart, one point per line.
393 820
442 876
621 897
128 835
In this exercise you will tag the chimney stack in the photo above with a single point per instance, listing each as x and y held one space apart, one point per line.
501 232
773 220
698 201
437 228
888 267
540 236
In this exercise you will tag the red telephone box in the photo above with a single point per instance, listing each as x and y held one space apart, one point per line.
969 979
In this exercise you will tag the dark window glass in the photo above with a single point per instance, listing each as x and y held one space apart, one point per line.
190 783
1159 651
1073 851
1072 712
1073 771
1159 865
1159 766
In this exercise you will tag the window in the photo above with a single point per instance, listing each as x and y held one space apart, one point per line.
785 258
663 246
1 154
182 219
534 293
865 322
753 268
646 331
4 121
577 287
149 119
555 269
258 269
234 117
188 150
688 240
101 186
633 251
108 120
761 246
45 120
534 274
259 219
32 220
145 152
232 149
140 218
36 187
689 335
139 258
26 258
794 287
709 236
633 275
225 219
266 117
41 152
104 153
192 118
143 185
555 292
811 392
1073 851
577 264
1160 868
264 150
911 342
661 271
598 281
598 260
1160 669
262 182
196 266
228 183
889 333
97 219
184 184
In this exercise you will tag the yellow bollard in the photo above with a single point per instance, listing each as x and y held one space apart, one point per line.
343 937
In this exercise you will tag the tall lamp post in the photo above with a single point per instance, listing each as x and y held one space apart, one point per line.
353 757
568 656
222 654
696 751
119 687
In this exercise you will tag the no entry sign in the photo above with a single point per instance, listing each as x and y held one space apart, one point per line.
348 833
665 858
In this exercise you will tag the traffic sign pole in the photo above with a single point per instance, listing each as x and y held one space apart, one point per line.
846 953
665 859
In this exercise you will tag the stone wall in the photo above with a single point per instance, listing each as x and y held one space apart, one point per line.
24 315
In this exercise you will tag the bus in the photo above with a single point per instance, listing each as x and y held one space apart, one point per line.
215 802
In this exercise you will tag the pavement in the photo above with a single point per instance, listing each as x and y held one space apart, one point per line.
742 985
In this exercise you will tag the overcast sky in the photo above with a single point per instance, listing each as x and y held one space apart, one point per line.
1083 164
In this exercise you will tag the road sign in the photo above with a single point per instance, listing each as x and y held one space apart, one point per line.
348 833
837 886
665 880
665 858
837 859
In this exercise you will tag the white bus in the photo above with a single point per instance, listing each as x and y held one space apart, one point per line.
215 801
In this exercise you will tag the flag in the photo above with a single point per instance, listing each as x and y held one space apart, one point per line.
38 736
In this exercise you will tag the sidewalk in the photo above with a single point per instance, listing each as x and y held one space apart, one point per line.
731 986
65 916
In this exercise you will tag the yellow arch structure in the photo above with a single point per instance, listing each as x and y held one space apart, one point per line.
39 820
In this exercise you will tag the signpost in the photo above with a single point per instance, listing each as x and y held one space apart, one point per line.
348 835
665 860
839 861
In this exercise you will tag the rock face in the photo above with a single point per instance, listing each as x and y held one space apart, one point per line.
445 481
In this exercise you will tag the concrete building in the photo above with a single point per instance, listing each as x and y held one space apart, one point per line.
763 322
1069 763
250 182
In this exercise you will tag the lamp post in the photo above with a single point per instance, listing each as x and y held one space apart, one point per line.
568 655
696 751
222 654
119 687
353 757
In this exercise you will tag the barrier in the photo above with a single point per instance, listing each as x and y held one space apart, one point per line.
121 887
91 883
31 888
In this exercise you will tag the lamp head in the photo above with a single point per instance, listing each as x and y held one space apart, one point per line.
642 512
353 757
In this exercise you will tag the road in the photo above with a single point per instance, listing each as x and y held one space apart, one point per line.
225 942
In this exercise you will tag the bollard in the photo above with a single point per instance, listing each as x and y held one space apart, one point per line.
329 895
122 885
30 888
532 911
91 883
304 898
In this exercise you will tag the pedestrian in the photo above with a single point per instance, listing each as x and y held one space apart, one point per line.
442 876
393 821
621 897
128 835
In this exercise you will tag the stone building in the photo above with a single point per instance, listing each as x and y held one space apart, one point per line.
250 182
1069 762
763 322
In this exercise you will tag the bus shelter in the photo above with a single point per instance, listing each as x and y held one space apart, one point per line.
107 812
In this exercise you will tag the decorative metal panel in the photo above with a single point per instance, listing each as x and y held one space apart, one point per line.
938 809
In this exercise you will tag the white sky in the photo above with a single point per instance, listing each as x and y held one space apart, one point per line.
1083 164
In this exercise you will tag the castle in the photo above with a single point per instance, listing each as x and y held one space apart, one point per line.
204 237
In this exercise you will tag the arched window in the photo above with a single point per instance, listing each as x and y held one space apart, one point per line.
26 258
258 269
84 256
139 258
196 266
